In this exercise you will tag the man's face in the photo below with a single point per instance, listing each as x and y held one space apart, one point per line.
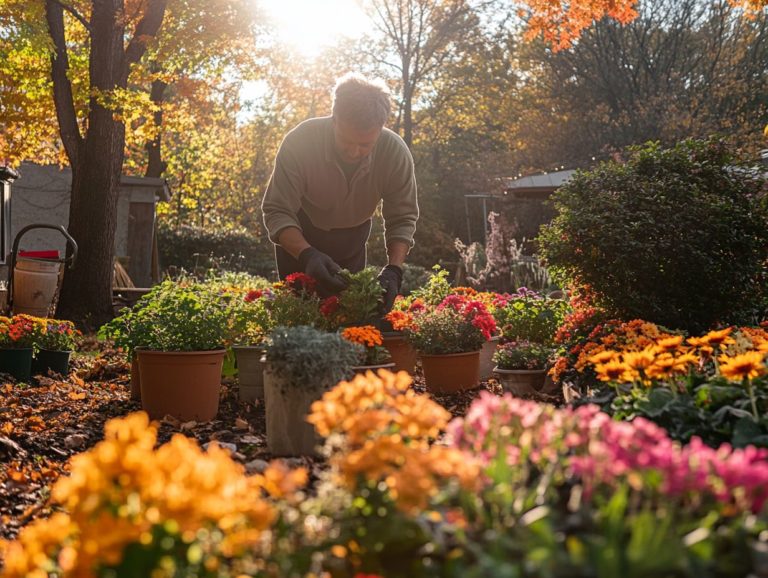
354 144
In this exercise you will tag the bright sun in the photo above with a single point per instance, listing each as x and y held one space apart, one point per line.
311 25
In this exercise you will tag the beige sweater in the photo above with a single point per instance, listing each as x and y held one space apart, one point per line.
306 176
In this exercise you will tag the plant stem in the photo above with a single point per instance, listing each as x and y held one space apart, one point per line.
748 383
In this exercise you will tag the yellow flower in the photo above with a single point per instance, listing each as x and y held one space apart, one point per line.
603 357
718 338
639 360
614 370
745 366
669 344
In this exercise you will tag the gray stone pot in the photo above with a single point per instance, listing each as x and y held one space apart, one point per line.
250 371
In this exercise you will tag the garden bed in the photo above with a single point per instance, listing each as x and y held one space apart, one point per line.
44 425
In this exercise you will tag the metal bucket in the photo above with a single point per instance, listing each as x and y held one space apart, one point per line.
34 285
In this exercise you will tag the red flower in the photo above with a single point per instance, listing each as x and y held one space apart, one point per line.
301 283
329 306
253 295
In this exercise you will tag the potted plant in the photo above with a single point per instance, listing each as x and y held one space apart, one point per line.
359 303
522 365
18 335
302 364
374 355
448 338
54 345
178 334
250 324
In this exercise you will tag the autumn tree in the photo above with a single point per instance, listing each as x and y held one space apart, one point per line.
682 68
94 62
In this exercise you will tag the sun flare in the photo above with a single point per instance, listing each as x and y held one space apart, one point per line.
311 25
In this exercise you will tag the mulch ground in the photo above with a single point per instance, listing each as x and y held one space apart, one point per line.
44 424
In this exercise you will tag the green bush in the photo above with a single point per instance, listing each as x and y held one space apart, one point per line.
195 249
676 236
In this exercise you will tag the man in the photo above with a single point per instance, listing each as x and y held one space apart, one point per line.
330 175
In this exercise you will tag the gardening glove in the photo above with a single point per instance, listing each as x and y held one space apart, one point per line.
323 269
391 280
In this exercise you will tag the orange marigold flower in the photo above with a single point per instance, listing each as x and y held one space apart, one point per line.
366 335
745 366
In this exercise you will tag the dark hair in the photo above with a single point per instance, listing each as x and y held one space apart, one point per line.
363 103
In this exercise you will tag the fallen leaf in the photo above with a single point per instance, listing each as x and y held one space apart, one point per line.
241 424
74 395
188 426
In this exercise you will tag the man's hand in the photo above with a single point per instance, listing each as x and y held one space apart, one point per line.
391 280
324 269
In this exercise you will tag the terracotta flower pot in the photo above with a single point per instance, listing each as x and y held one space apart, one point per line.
521 381
451 372
287 408
250 371
184 384
135 378
486 357
403 355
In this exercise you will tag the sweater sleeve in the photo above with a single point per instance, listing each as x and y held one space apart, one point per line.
400 207
282 199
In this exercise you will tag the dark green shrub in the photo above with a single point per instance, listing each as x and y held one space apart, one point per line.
195 249
675 236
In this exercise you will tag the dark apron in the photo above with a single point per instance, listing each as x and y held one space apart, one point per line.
345 246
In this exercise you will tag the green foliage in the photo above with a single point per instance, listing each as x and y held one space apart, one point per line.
712 409
675 236
435 289
530 317
522 355
194 249
310 359
173 317
360 301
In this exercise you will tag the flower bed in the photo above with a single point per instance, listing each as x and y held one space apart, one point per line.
515 485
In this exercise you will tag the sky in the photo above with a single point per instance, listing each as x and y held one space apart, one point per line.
310 25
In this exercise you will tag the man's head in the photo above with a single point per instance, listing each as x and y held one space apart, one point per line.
360 111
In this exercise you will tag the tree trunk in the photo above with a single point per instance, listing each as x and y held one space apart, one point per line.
155 164
86 293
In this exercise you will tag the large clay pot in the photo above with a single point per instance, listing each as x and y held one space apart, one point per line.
135 379
403 355
452 372
486 357
287 408
521 381
183 384
250 371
